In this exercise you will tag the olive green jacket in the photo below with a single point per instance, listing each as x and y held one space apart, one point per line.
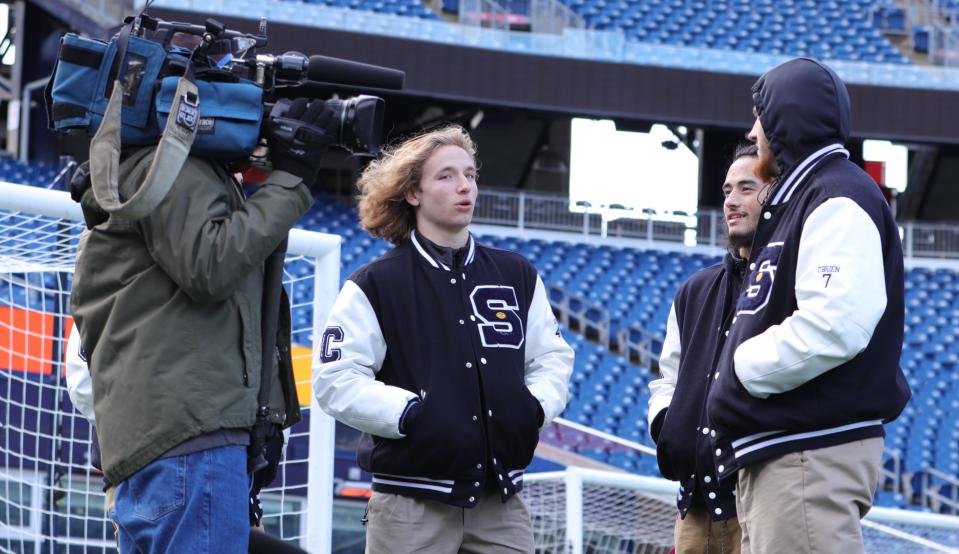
169 311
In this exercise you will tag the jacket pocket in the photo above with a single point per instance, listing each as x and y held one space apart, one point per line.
248 371
514 424
445 442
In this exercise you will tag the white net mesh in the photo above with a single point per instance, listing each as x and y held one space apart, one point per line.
51 498
624 514
615 519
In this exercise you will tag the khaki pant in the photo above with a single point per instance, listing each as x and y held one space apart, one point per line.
690 534
402 524
809 501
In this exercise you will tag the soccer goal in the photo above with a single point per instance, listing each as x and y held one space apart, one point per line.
51 499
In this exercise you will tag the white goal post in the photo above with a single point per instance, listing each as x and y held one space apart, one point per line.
50 497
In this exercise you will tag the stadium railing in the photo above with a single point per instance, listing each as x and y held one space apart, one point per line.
573 43
525 210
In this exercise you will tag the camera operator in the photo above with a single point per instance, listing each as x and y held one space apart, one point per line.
169 307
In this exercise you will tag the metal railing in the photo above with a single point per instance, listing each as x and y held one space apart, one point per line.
941 497
525 210
552 16
487 14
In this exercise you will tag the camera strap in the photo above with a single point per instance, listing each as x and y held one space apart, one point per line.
172 152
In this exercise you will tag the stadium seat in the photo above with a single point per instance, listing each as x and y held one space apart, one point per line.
636 286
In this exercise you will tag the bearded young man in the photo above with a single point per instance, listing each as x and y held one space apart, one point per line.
695 331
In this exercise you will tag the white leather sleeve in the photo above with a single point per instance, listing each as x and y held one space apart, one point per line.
661 390
79 382
345 384
840 296
549 359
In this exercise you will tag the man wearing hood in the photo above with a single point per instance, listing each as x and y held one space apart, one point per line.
809 372
695 331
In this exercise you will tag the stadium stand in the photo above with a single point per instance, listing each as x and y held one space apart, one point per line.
33 173
410 8
609 392
828 30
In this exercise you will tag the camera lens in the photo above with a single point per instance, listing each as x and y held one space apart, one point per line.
359 121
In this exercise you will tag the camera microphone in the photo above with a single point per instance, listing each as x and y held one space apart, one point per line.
336 70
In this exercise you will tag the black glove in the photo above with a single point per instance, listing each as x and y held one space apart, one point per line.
81 192
410 416
80 181
298 135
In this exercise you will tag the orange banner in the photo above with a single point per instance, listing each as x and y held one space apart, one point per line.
26 340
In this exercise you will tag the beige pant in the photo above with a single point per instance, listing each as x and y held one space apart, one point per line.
402 524
690 534
809 501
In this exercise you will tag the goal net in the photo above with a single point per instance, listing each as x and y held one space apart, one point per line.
51 498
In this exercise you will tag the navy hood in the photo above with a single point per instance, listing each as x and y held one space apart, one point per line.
803 106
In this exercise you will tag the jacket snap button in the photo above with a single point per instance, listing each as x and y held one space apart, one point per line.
712 496
453 281
767 215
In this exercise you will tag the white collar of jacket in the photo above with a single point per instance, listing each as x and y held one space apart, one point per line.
438 264
802 171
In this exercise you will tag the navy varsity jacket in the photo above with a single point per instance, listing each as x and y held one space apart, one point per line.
695 332
477 344
812 357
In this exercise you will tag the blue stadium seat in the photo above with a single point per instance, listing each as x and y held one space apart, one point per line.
610 393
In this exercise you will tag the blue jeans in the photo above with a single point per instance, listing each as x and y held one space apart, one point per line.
195 503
